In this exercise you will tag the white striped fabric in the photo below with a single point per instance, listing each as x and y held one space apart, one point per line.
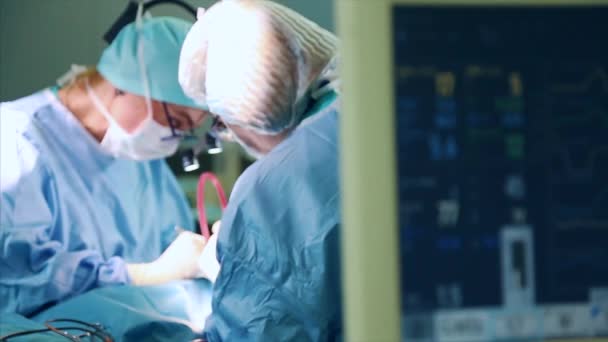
258 61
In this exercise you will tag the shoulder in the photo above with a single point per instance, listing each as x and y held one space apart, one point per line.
27 105
19 153
17 117
313 146
159 174
293 187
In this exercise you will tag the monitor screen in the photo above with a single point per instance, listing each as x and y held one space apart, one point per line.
502 140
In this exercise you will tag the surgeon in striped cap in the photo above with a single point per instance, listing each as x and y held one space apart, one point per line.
268 75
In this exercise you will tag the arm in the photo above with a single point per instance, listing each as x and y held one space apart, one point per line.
278 280
34 275
36 267
247 307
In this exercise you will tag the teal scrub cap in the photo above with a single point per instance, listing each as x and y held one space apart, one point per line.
155 43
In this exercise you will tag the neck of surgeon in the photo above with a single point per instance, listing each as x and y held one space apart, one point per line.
74 97
258 144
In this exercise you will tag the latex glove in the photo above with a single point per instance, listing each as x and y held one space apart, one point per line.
207 262
179 261
215 229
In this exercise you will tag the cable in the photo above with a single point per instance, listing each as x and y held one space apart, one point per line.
180 3
130 14
97 328
23 333
200 200
89 330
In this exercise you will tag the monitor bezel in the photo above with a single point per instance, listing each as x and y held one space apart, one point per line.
370 271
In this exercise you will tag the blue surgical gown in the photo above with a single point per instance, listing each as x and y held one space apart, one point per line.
71 216
279 243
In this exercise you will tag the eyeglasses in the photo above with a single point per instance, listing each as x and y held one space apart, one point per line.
220 130
72 329
175 132
210 143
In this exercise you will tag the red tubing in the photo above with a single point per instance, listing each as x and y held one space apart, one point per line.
200 200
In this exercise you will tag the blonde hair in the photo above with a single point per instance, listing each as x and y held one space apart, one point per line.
77 82
91 74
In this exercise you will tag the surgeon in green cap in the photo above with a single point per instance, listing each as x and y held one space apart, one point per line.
87 198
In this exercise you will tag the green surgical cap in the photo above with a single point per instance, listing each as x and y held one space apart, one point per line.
161 40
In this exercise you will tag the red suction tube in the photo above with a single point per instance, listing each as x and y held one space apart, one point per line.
200 200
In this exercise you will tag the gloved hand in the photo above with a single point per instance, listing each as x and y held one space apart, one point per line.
215 229
207 262
179 261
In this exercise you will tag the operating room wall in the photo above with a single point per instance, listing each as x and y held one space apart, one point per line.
40 39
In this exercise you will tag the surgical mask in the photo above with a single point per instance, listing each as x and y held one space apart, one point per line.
149 141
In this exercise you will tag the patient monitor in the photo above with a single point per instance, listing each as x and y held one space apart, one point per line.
475 170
